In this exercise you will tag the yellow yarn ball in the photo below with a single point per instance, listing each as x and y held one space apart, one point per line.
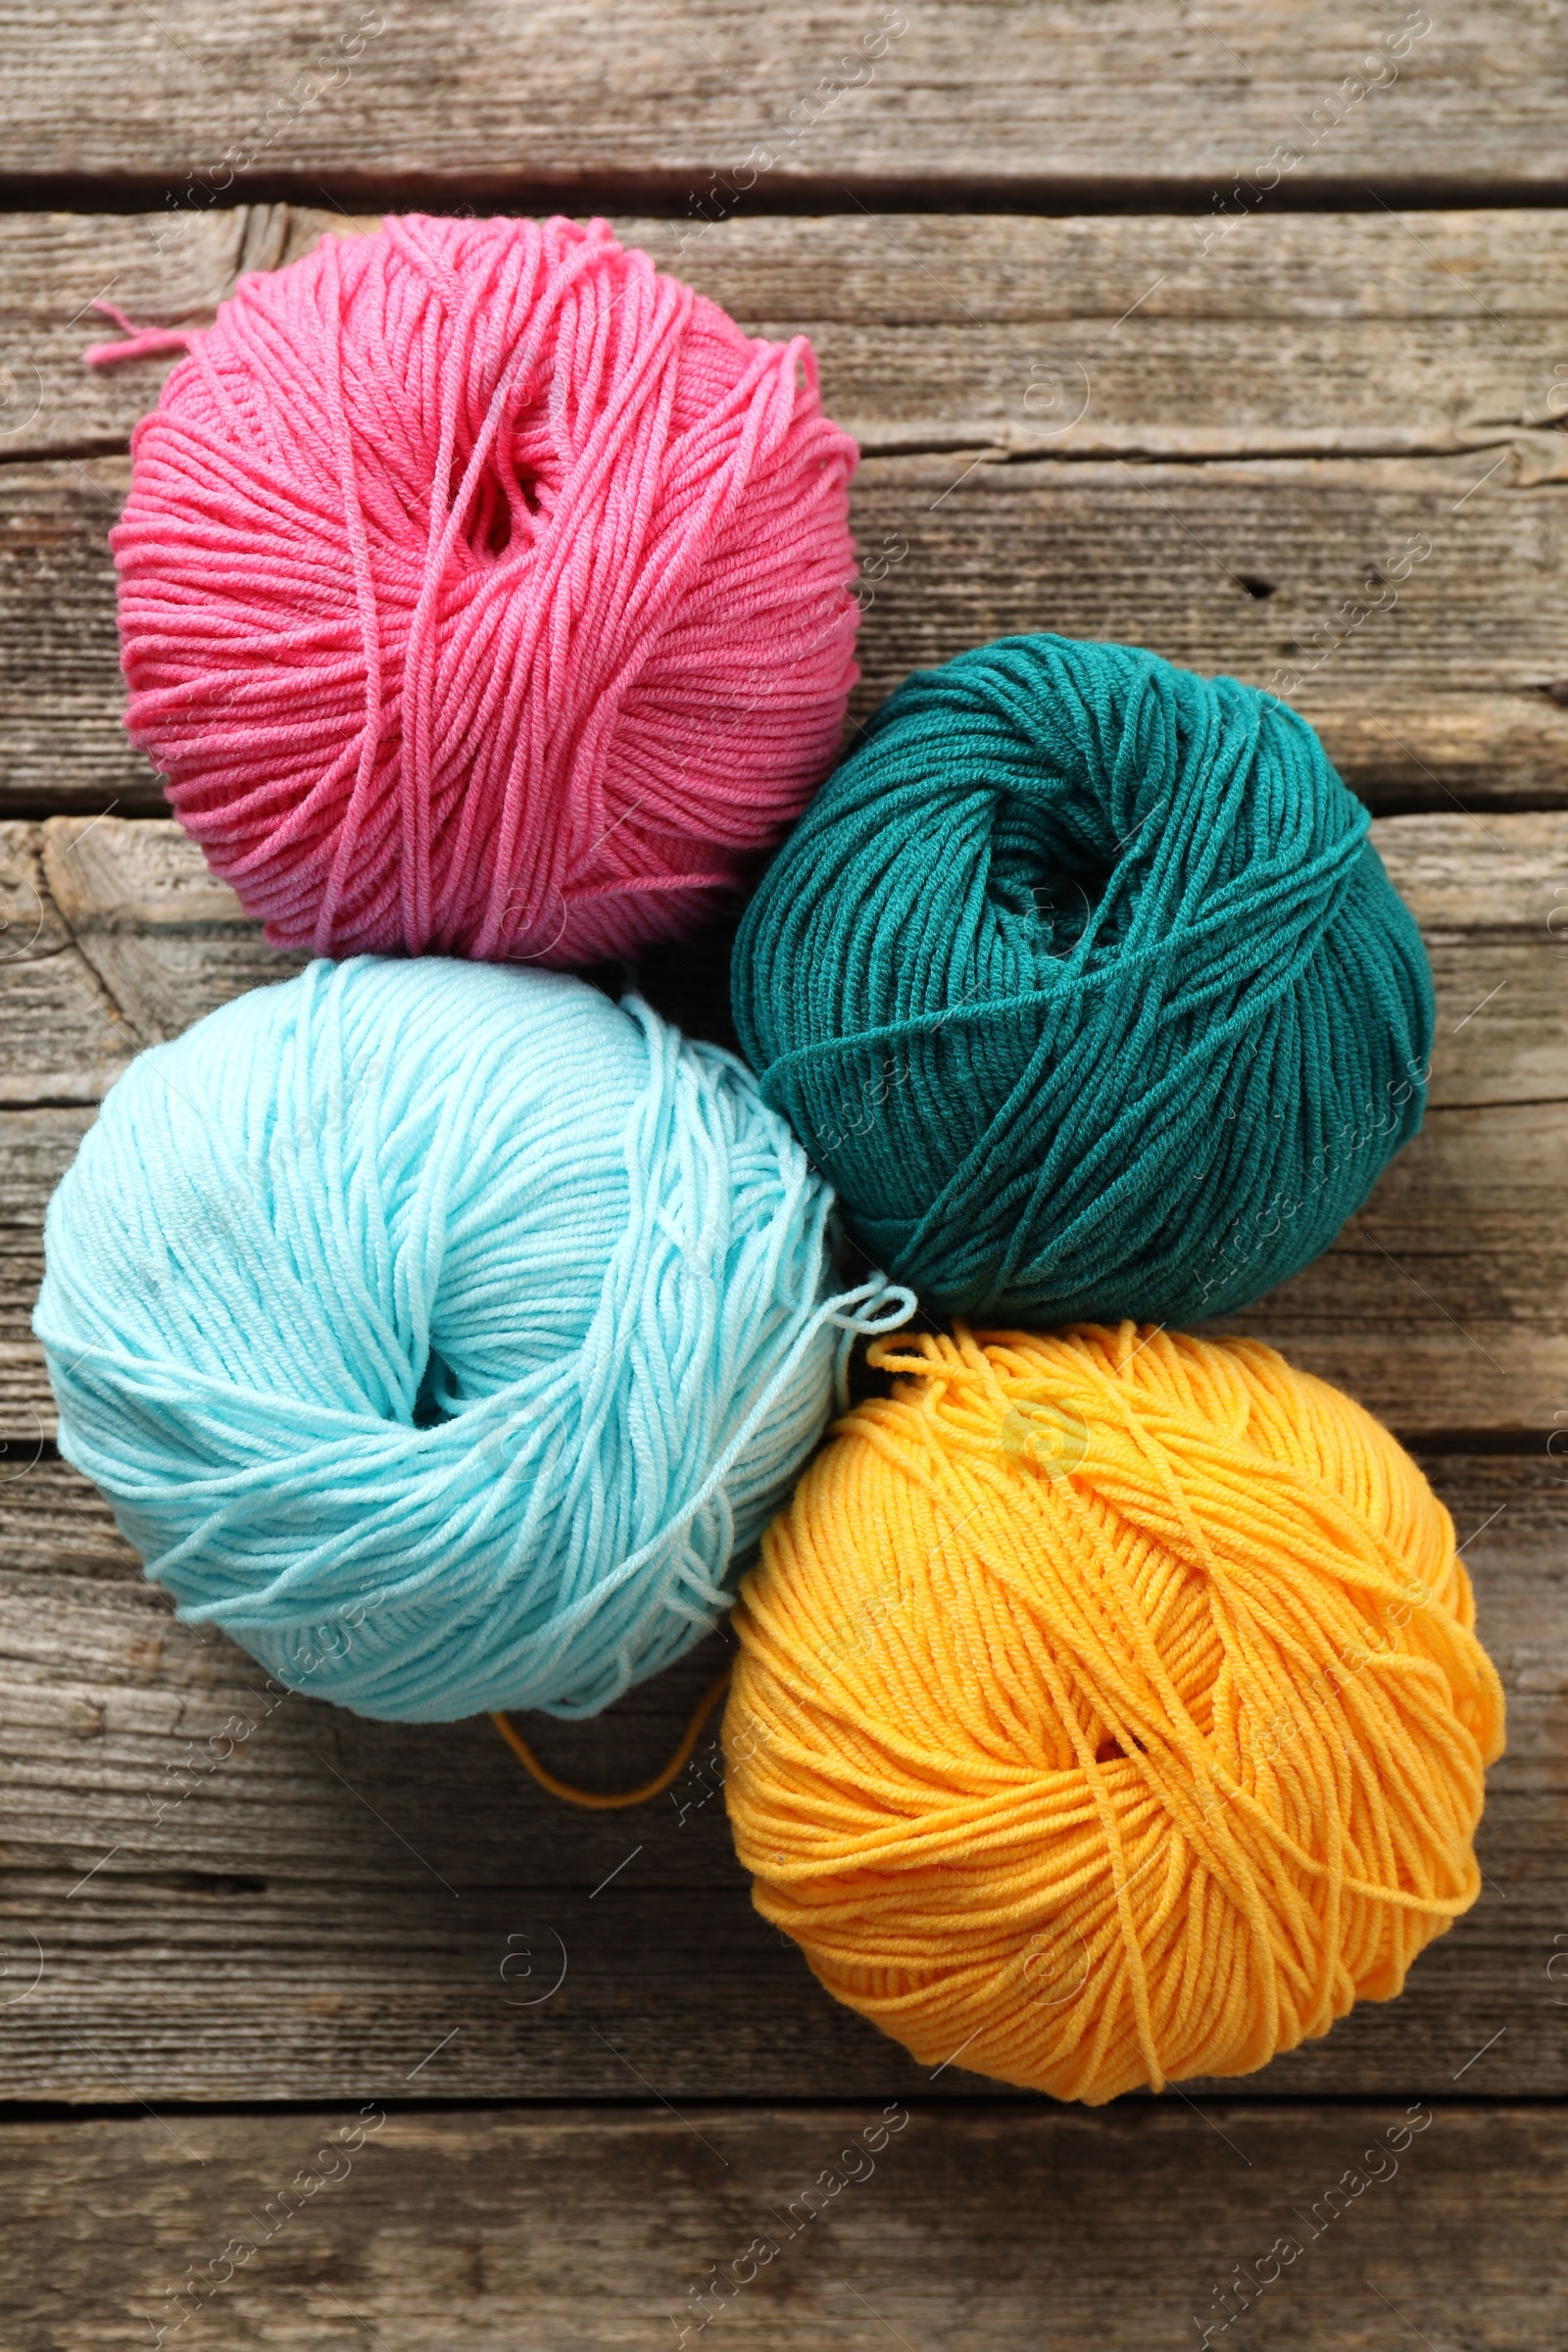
1107 1708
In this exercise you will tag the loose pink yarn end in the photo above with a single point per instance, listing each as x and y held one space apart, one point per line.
141 342
484 591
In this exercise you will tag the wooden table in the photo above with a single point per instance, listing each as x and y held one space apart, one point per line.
1195 330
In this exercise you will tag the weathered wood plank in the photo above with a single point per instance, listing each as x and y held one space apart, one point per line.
1269 572
1089 347
135 899
164 941
1331 335
37 1148
225 1893
1070 100
1387 1312
1442 1305
1443 690
62 1038
817 2229
169 268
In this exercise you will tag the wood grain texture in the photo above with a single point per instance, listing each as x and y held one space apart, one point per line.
1327 452
1441 691
213 1891
170 269
1266 570
468 99
1011 2229
1440 1304
1388 335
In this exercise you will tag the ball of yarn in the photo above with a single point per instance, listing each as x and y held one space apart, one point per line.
1108 1710
442 1332
1082 983
483 590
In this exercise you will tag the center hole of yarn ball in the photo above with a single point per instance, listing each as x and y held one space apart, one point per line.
1044 875
489 515
428 1410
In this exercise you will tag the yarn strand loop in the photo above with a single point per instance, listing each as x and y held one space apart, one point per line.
594 1800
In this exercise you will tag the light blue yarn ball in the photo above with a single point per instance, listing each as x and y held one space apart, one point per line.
442 1332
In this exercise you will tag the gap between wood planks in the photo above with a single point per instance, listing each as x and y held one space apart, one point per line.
677 195
1505 437
1004 2104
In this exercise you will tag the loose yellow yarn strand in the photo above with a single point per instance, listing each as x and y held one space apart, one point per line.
594 1800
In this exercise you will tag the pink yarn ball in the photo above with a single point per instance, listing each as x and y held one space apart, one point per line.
483 590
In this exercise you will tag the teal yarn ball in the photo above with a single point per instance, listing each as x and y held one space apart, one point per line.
444 1331
1082 983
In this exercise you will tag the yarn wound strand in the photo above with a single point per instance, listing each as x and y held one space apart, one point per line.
1108 1707
483 590
444 1332
1083 983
